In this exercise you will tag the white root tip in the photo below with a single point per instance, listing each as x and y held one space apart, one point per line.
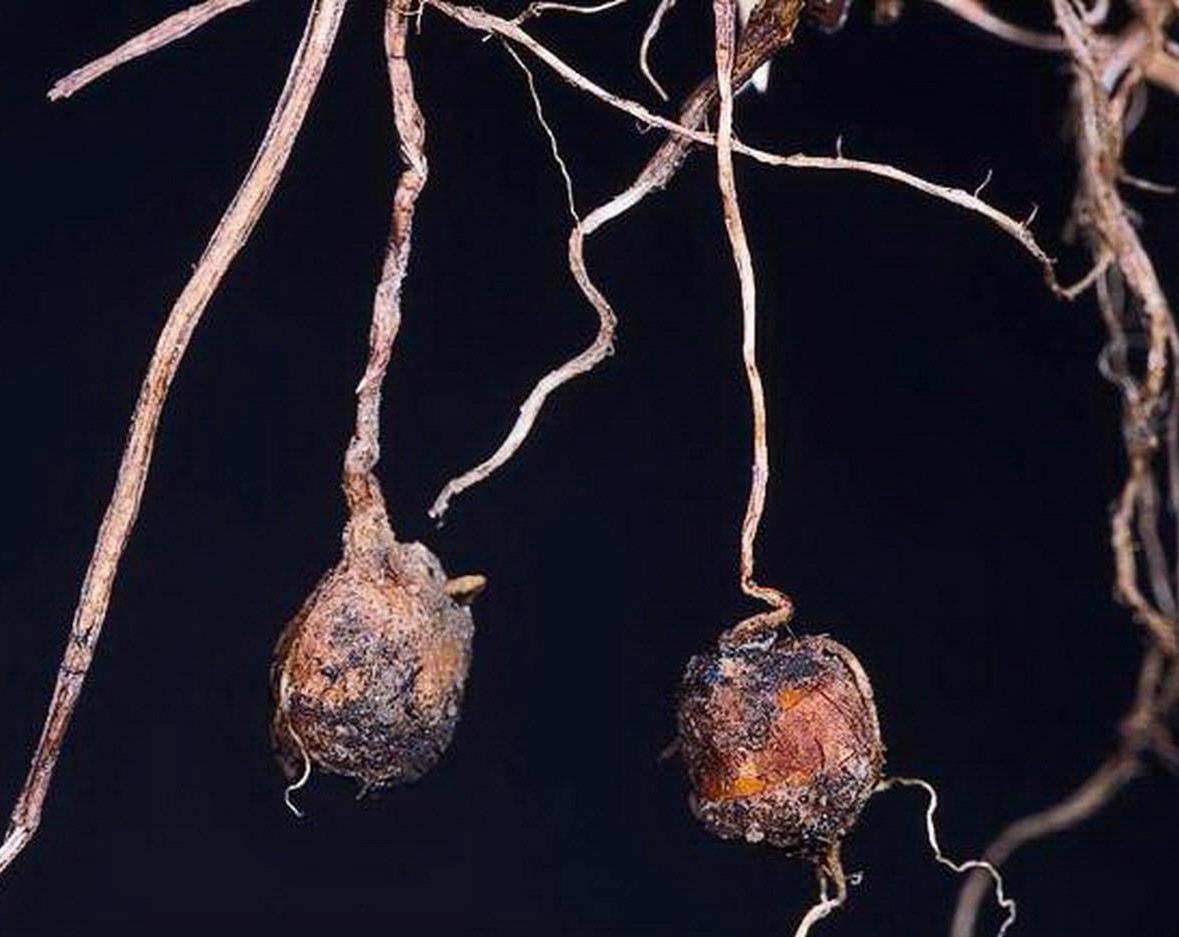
819 910
291 788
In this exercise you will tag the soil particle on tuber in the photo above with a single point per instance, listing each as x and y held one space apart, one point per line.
368 677
781 742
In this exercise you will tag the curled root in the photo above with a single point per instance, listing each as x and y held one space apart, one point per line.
302 781
969 865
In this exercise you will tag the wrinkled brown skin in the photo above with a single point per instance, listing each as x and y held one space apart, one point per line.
368 677
781 742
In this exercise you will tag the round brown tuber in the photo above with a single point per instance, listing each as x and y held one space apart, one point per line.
368 677
781 742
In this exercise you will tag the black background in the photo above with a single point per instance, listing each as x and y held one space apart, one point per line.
944 454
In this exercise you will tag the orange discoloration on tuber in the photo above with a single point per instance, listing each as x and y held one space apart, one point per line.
789 698
736 788
781 742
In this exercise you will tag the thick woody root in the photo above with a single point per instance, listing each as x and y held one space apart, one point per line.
174 27
231 234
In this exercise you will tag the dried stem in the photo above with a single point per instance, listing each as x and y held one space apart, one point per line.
174 27
231 233
360 484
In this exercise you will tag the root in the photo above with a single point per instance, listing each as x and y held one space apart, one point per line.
598 350
976 13
653 26
554 146
655 175
969 865
543 6
1108 74
361 487
1144 730
231 234
662 166
690 131
724 12
1100 132
1088 799
302 781
167 31
829 873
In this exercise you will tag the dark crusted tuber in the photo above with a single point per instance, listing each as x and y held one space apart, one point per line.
368 677
781 742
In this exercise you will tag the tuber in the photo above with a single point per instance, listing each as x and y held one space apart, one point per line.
781 741
368 677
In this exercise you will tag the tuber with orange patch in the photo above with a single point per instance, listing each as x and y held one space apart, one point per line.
781 741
